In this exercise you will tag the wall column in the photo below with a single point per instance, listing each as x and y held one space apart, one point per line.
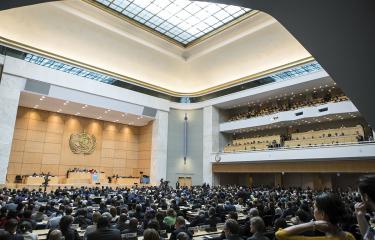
210 140
158 164
10 87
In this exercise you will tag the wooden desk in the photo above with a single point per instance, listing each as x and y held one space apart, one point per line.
127 180
39 180
83 178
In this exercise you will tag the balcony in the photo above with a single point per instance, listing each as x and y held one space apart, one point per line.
363 150
325 110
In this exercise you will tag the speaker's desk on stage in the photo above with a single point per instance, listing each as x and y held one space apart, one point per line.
85 178
39 180
127 180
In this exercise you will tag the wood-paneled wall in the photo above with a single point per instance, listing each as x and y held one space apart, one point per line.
41 144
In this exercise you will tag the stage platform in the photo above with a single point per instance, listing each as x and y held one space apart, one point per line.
52 187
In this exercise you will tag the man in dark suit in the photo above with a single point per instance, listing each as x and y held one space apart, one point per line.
180 227
104 231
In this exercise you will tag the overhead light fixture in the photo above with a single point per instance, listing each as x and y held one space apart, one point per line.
36 106
78 113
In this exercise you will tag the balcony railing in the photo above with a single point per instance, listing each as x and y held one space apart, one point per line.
303 147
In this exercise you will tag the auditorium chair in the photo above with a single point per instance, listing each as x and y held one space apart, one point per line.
18 179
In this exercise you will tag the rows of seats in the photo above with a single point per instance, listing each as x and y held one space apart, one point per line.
257 143
310 138
328 136
285 105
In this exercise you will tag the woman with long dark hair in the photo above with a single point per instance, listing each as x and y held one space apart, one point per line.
329 213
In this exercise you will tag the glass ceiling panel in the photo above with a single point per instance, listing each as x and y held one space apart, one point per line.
298 71
182 20
67 68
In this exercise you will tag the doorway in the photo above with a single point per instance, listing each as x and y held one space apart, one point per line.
185 181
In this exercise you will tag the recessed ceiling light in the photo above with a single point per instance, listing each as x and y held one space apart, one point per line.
78 113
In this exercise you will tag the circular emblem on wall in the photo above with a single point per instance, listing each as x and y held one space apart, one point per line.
217 158
82 143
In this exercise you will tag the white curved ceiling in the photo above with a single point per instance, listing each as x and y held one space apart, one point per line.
79 33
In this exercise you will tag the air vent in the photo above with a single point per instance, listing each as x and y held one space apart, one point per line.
150 112
37 87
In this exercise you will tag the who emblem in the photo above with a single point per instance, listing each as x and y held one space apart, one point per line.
82 143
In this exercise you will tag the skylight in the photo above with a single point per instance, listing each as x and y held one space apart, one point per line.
298 71
67 68
182 20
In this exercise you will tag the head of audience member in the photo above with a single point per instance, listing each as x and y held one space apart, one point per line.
133 223
279 223
211 212
4 235
95 217
257 225
104 221
65 222
68 211
180 222
303 217
55 235
182 236
233 215
231 227
113 211
11 226
171 212
151 234
253 212
154 224
42 209
25 227
329 207
366 187
123 218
